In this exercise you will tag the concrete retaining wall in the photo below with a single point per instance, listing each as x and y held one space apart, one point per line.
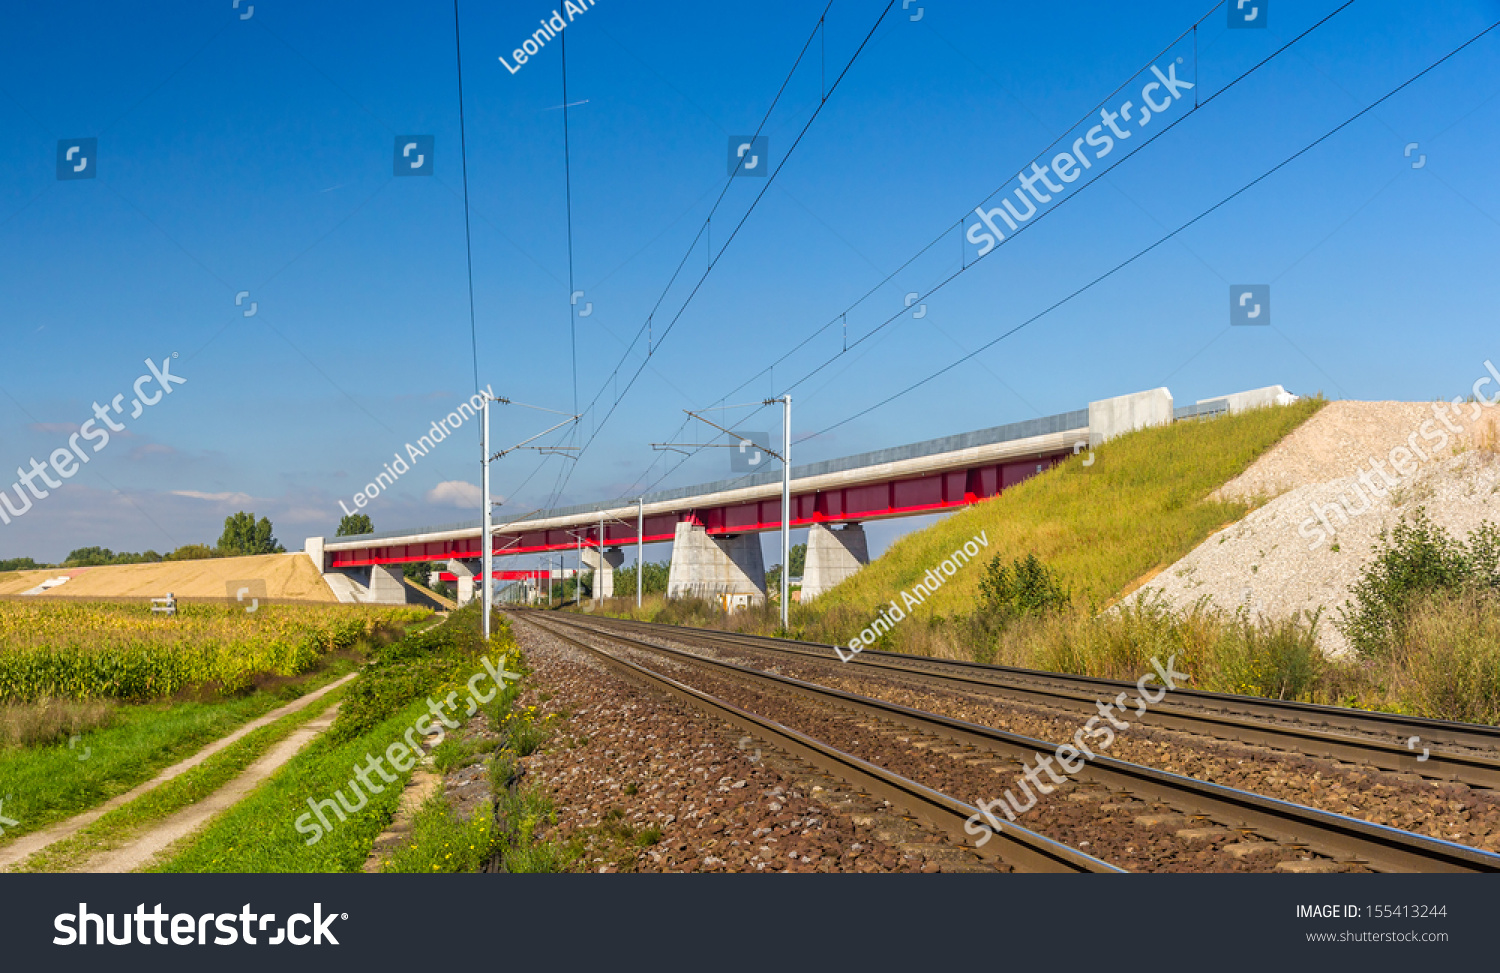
1109 418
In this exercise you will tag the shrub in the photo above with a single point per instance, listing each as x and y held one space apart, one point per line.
1024 587
1416 559
1276 659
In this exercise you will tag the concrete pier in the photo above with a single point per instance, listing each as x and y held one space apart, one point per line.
604 578
832 556
716 567
387 586
465 575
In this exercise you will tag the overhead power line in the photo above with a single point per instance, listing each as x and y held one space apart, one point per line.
1168 236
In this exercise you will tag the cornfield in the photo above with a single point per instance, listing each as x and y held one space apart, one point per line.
120 651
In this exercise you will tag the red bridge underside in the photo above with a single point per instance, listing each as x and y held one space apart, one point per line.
450 577
896 498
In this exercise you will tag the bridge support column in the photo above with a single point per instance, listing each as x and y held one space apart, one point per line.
387 586
604 578
465 582
832 556
727 568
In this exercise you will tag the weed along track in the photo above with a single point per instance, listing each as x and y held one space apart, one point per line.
1134 817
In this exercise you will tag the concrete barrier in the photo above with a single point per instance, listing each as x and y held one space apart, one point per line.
1255 398
313 548
1109 418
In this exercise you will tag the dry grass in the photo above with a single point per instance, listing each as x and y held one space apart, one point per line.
288 577
1447 661
1485 435
51 720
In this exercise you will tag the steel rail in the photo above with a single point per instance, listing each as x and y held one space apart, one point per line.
1022 849
1336 836
1445 750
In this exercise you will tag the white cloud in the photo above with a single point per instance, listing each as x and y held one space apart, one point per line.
214 497
55 428
455 493
152 449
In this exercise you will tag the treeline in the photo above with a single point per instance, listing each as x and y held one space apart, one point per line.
243 535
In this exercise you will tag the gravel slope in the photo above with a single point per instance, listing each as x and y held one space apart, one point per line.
1304 550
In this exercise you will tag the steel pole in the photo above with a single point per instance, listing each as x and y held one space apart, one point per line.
640 547
488 554
786 509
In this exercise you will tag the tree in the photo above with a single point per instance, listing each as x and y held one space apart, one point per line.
243 534
87 557
354 524
191 552
799 564
653 582
418 571
19 564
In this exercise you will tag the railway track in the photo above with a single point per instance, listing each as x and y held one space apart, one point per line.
1021 849
1167 800
1464 753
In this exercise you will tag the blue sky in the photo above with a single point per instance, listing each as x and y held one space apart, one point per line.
257 155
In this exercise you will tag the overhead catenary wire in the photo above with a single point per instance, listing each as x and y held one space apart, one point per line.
1163 239
647 328
965 265
463 155
568 193
771 176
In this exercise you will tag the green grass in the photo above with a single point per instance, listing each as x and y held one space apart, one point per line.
522 814
1142 505
123 823
443 843
259 834
43 785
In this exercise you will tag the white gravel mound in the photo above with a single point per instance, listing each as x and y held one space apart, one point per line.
1349 473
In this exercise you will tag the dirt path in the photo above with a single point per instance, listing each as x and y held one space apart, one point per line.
144 847
23 848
